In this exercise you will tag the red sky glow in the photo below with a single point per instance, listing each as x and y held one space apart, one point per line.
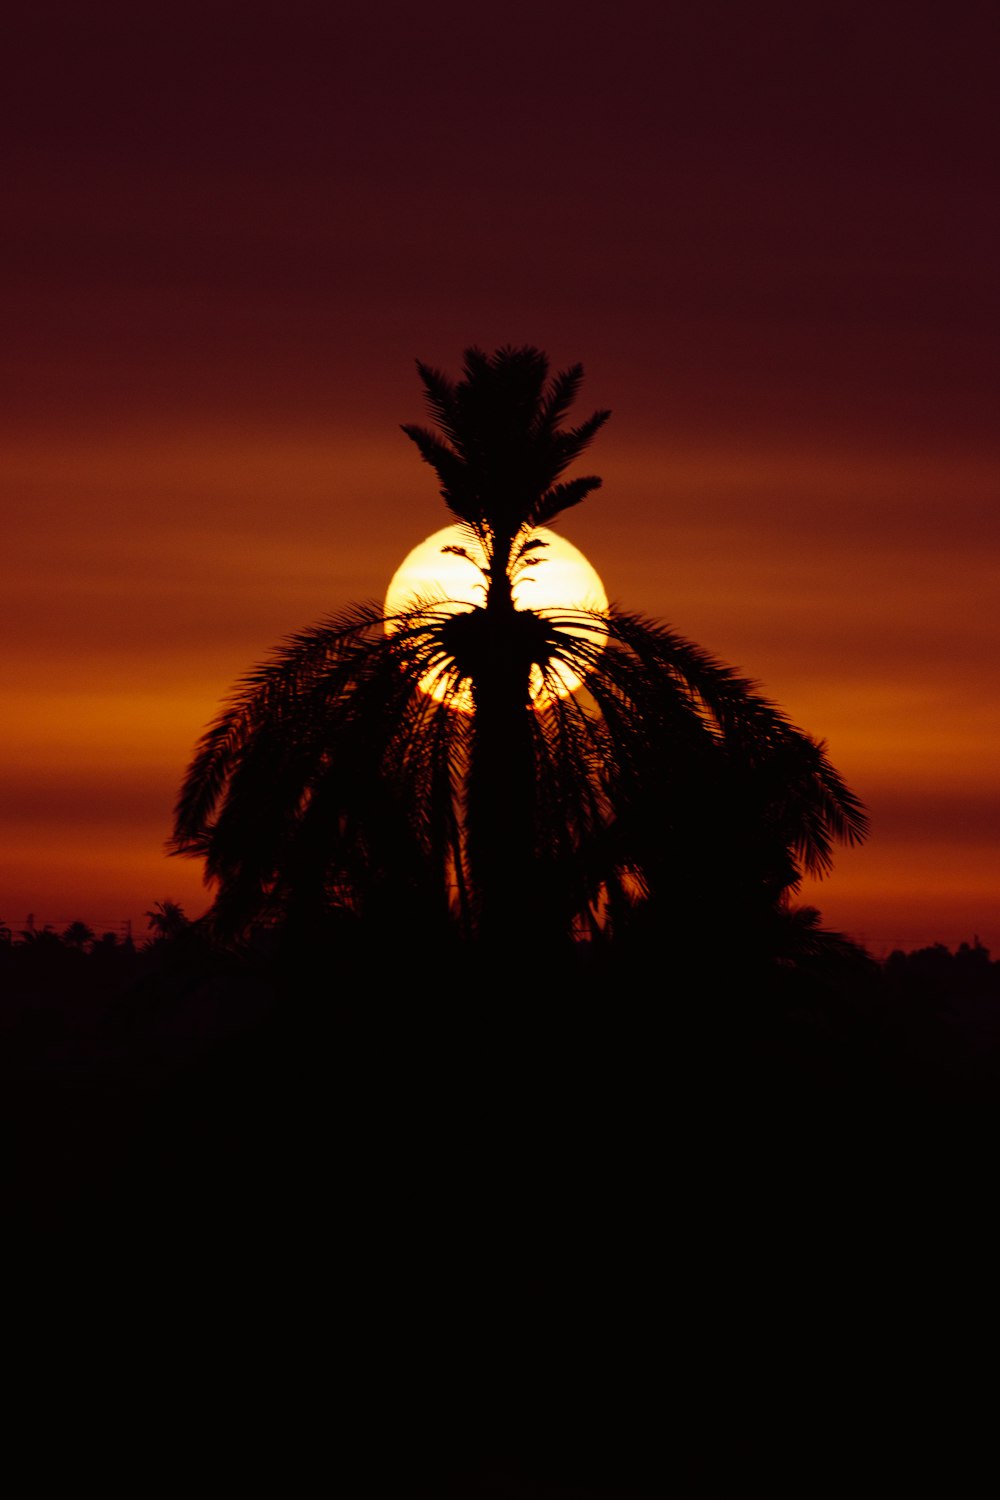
770 235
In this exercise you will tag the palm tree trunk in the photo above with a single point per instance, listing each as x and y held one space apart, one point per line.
501 793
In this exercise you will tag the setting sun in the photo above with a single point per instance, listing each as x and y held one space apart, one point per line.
561 580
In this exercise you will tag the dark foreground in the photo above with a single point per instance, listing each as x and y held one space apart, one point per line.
474 1234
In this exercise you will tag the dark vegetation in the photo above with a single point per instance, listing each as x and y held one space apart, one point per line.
504 1128
591 1231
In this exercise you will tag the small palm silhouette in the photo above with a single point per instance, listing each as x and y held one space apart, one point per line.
334 782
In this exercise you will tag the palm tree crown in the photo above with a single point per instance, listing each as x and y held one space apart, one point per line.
334 782
499 450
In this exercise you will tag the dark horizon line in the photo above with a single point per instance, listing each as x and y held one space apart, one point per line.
125 927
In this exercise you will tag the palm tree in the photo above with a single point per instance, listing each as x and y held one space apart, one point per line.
334 783
78 935
167 920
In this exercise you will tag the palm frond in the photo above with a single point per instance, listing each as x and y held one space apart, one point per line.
331 649
562 497
441 397
563 391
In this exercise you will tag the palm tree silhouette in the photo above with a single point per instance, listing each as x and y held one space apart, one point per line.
78 935
334 782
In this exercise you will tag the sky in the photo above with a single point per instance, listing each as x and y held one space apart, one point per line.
768 232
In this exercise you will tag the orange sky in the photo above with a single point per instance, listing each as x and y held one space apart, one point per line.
771 240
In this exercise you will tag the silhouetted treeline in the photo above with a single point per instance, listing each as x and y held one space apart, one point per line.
938 971
77 985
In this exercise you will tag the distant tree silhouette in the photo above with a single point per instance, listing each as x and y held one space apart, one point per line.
41 937
333 783
78 935
936 970
167 920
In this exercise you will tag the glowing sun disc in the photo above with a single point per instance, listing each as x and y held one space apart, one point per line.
562 579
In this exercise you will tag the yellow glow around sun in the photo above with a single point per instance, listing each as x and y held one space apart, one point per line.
562 579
